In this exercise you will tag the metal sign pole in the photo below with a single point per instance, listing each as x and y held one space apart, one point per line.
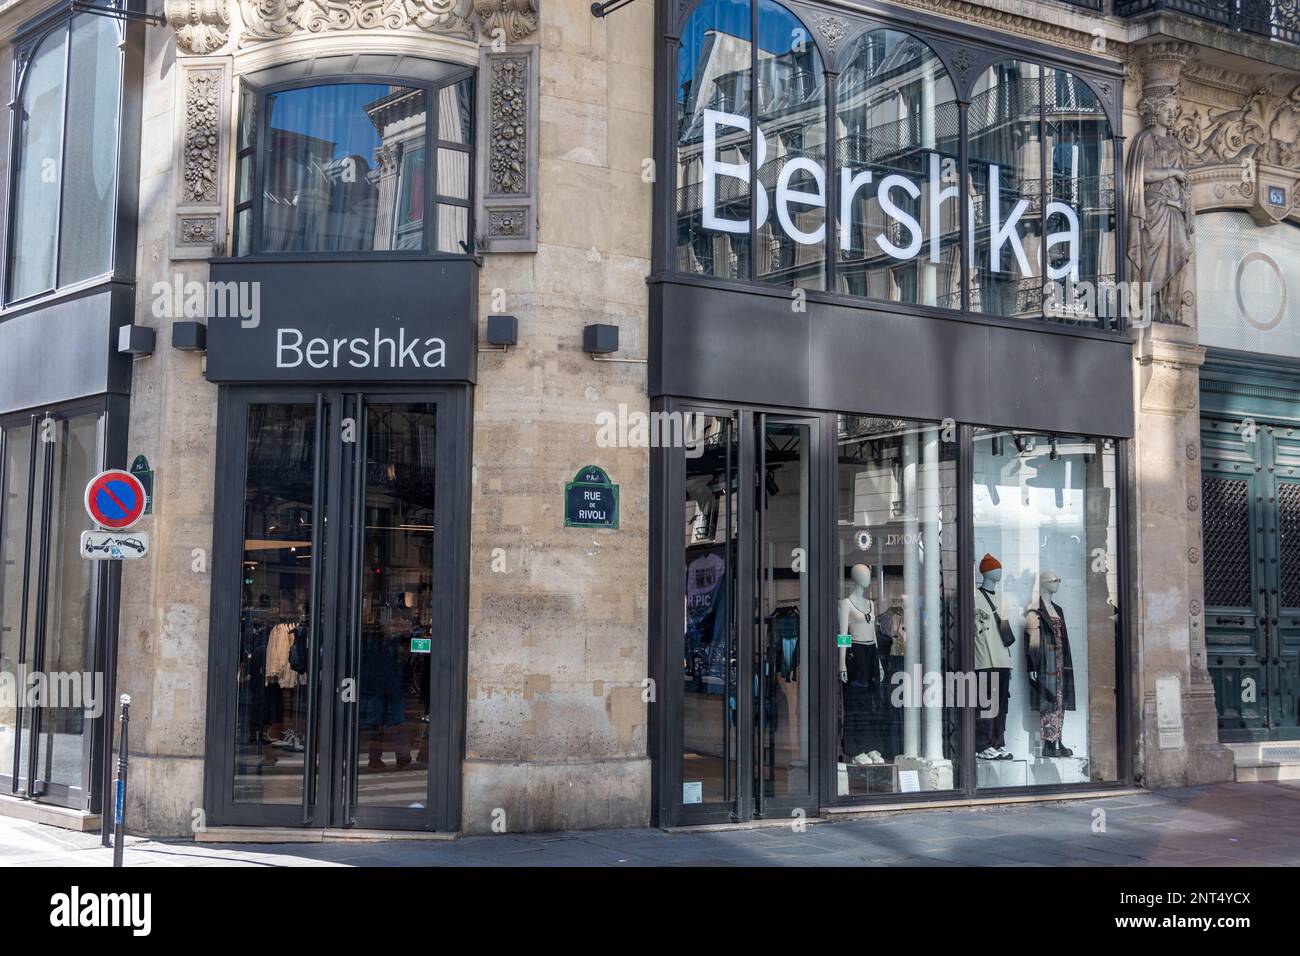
119 797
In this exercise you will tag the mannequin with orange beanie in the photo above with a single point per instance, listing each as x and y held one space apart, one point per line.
993 639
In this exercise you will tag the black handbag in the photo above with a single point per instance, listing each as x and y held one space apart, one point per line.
1004 629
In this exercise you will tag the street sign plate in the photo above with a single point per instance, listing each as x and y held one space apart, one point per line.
114 545
115 499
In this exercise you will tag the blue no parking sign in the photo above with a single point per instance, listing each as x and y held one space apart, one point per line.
115 499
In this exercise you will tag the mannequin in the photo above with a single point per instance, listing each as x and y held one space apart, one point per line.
1051 669
859 667
992 662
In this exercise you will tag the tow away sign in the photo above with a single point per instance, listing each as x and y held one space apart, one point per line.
114 545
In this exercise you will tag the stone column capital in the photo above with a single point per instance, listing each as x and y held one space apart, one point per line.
512 20
202 26
1161 62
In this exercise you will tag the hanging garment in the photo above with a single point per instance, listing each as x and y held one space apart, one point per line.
1048 654
784 644
706 623
300 652
278 670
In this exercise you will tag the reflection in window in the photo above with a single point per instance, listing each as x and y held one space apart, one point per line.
1045 511
709 746
792 130
69 618
897 123
897 540
1040 193
43 578
15 500
337 175
713 140
347 167
66 122
1081 202
1005 178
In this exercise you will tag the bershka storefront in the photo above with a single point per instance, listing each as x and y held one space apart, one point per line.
890 561
339 594
336 665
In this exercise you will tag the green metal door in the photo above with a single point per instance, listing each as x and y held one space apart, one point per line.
1250 492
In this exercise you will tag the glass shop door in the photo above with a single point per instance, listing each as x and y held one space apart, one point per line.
739 712
333 640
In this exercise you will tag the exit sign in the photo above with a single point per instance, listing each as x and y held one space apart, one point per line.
421 645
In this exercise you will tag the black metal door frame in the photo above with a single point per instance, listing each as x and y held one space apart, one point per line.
330 753
101 626
668 585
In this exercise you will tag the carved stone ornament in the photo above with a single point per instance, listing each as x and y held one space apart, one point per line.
1265 128
198 230
508 166
202 137
510 20
1161 215
507 223
272 19
202 26
508 160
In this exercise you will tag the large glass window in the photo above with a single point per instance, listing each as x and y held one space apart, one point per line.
65 157
1040 190
1006 163
69 616
15 505
896 620
356 167
714 71
1080 248
1248 281
1047 601
45 463
792 152
897 125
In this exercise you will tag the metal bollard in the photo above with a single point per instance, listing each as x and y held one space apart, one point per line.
119 798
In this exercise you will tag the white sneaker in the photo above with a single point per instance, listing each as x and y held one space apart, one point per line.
861 760
1005 754
875 757
988 753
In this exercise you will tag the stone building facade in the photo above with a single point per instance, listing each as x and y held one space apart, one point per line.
531 666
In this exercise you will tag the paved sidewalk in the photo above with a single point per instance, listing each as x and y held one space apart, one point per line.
1253 824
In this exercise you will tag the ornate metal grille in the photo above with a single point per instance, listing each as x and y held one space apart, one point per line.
1288 547
1226 542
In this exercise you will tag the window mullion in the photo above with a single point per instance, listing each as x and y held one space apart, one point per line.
63 154
431 165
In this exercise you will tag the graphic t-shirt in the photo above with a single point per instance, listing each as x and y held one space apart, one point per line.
706 621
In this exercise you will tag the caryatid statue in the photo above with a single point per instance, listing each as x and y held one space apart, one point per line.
1161 220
